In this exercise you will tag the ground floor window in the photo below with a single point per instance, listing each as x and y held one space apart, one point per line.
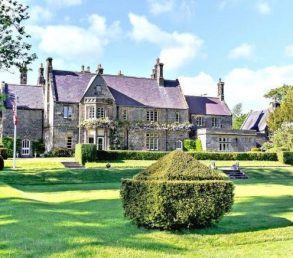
91 140
152 141
69 143
224 144
178 145
25 147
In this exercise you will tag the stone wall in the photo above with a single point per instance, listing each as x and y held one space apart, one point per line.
30 125
225 121
239 140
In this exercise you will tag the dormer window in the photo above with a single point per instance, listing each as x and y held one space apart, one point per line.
98 89
152 116
67 112
100 112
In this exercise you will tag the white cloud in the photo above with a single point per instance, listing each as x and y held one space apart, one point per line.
289 50
69 42
64 3
161 6
242 85
263 8
39 13
177 49
244 51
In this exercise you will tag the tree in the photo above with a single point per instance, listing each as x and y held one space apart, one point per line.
283 114
14 49
279 94
238 117
282 139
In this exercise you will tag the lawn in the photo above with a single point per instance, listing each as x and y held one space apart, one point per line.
57 212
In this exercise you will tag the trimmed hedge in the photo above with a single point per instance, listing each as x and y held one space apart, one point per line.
176 204
130 155
235 156
177 192
85 153
189 145
286 157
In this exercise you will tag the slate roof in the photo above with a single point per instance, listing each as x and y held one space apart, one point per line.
126 90
207 106
29 96
256 120
70 86
145 92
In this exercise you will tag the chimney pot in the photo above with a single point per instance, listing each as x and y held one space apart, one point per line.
88 69
82 68
41 78
49 67
23 75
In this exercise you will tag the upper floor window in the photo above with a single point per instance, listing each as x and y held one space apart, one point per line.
216 122
124 114
199 121
100 112
98 89
67 111
152 116
90 112
177 117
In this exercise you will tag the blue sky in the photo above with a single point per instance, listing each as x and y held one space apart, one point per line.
245 42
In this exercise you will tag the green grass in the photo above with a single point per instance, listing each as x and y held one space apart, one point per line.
83 217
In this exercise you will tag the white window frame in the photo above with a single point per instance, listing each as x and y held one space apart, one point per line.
152 141
216 122
199 121
179 145
90 111
100 112
177 117
67 111
224 144
69 142
25 147
152 115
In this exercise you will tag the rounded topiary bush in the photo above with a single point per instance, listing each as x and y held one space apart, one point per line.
177 192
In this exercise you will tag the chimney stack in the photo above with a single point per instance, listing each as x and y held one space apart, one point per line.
41 78
23 75
159 72
221 90
49 67
100 69
88 69
82 68
275 103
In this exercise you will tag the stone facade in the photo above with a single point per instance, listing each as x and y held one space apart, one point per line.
227 140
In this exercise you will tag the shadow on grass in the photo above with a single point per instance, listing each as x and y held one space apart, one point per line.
253 214
65 176
74 226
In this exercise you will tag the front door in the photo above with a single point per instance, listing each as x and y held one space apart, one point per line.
100 143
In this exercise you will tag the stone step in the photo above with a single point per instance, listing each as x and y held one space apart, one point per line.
73 165
235 174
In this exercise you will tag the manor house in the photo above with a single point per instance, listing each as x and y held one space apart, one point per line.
117 112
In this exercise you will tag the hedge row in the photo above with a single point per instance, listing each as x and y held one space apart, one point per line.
85 153
176 204
235 156
286 157
130 155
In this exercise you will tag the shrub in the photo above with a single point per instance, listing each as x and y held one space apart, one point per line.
198 145
286 157
3 153
235 156
85 153
1 163
176 192
127 155
38 147
189 145
255 149
8 144
60 152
